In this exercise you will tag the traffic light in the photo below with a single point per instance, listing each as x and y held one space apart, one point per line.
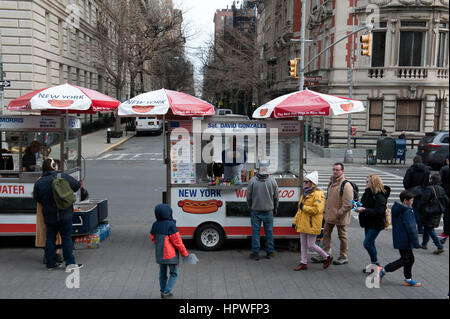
366 44
293 68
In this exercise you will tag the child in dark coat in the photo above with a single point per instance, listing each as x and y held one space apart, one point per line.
165 235
405 238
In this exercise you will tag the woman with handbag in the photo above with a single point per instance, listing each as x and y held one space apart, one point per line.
434 203
372 215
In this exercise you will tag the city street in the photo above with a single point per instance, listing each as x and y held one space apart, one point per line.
132 178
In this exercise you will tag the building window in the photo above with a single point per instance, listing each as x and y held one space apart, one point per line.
408 115
442 51
378 51
376 115
437 115
412 48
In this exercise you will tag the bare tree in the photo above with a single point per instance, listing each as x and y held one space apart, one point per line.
229 67
113 21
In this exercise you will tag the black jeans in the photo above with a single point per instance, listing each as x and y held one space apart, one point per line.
64 227
406 261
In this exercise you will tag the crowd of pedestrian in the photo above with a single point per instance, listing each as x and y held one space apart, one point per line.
422 205
420 208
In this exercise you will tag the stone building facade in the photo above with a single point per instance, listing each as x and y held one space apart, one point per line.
51 42
404 84
47 43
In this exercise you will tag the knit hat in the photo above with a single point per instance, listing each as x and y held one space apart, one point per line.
313 177
263 167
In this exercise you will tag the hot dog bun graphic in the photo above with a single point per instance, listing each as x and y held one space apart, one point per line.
60 103
200 207
142 108
347 107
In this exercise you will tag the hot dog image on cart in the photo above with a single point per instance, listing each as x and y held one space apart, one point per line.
47 129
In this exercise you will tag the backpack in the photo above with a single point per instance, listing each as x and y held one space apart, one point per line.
355 190
62 193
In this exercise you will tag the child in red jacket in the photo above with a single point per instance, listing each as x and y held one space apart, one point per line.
165 235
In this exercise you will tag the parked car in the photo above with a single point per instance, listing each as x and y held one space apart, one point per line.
148 124
434 148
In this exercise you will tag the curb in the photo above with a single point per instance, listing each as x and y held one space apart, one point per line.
115 145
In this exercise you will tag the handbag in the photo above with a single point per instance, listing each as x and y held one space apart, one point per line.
434 206
388 217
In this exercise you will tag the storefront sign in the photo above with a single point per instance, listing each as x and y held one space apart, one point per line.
29 122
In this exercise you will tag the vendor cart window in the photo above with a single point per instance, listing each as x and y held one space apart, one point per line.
72 150
9 153
37 146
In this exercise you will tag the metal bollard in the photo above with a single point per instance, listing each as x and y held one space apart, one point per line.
108 136
326 139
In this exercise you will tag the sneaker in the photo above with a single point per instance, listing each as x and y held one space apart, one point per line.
340 261
301 267
443 235
438 251
424 247
270 255
370 268
381 273
254 257
168 295
317 260
327 262
412 283
59 258
71 267
56 266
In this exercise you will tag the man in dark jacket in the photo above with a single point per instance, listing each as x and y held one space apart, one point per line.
54 219
405 238
415 180
445 181
431 221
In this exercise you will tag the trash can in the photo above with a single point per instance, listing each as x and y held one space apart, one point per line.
385 149
400 150
371 158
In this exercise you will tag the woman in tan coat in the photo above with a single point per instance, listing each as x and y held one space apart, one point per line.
308 220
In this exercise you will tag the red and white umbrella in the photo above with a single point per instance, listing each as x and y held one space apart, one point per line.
159 102
67 98
307 103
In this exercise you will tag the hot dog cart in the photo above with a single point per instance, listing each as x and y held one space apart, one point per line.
26 140
210 206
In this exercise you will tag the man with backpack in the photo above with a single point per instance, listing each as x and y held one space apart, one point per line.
337 212
55 192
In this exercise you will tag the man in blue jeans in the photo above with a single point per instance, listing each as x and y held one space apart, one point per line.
262 199
56 220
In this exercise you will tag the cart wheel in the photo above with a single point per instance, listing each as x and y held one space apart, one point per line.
209 237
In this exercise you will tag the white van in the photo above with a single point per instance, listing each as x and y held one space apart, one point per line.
148 124
223 112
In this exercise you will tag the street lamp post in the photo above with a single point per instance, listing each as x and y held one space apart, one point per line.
348 158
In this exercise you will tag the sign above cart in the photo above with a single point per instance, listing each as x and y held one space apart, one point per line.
35 122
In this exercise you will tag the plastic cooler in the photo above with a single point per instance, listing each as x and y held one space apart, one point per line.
85 218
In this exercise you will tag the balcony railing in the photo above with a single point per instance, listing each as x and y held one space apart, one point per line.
442 73
412 73
409 73
376 73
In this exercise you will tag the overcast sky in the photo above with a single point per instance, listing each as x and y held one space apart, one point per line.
198 18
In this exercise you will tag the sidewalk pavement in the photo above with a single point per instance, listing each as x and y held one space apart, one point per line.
94 144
